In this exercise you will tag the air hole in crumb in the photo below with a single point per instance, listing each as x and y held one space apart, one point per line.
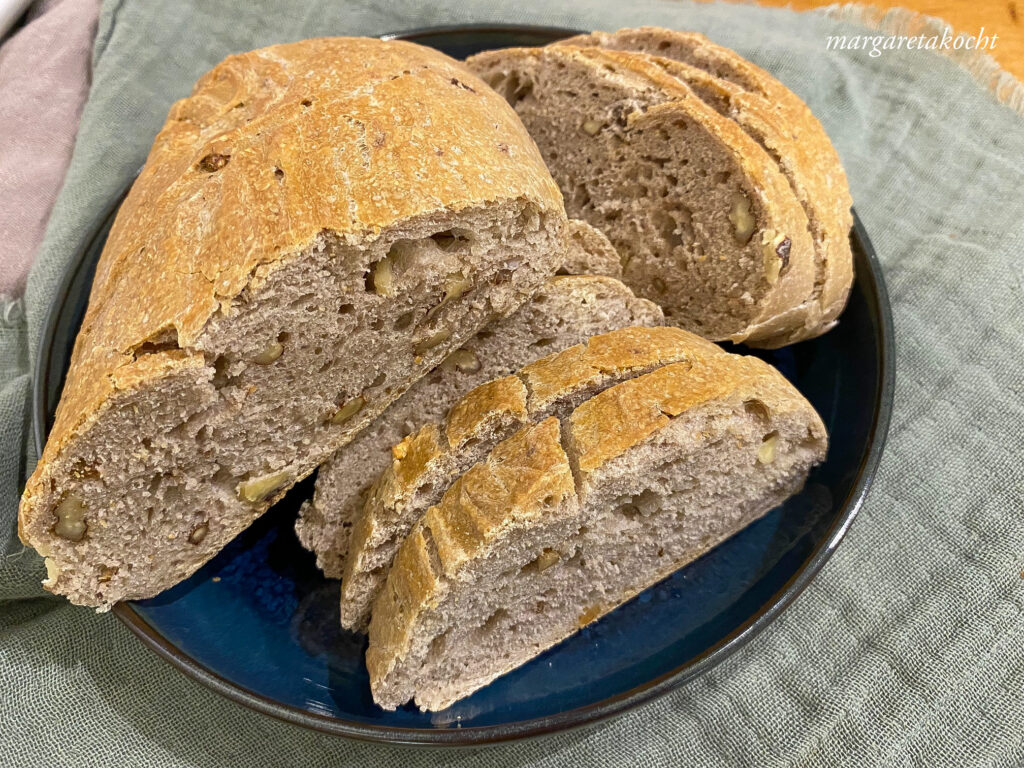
580 196
378 324
436 645
722 177
307 102
663 45
757 409
346 309
404 320
283 337
629 511
278 173
318 350
667 227
425 488
220 377
449 238
494 620
546 342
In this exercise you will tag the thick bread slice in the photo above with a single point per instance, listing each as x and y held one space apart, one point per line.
707 224
639 480
777 118
425 463
316 226
564 312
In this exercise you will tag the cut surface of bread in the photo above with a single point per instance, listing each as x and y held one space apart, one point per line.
317 225
571 516
781 123
564 312
426 462
707 224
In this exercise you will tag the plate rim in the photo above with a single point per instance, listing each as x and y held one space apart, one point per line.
571 719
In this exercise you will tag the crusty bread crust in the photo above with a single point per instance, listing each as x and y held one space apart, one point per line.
472 523
271 149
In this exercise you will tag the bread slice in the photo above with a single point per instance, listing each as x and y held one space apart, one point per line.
566 311
317 225
706 222
784 126
426 462
569 518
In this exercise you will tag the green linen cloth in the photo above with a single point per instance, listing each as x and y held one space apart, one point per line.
908 649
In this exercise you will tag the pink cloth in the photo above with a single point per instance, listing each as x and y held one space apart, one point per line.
44 79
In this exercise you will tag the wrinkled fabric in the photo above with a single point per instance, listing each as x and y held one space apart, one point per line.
44 79
908 648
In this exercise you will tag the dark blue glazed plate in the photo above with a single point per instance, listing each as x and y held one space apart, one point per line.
259 623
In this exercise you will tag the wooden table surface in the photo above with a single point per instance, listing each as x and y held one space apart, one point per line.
1004 17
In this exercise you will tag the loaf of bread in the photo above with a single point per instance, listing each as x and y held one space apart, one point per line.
566 311
780 122
725 214
597 472
317 225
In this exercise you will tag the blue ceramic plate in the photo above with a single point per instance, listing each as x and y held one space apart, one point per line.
260 625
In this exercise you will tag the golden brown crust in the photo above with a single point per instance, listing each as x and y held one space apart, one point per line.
525 478
522 478
272 148
502 399
605 356
613 421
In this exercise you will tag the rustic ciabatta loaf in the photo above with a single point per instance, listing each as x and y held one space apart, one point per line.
566 311
568 518
427 462
316 226
706 223
777 119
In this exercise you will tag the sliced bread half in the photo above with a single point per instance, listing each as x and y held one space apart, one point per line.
781 123
707 224
426 462
317 225
568 518
564 312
